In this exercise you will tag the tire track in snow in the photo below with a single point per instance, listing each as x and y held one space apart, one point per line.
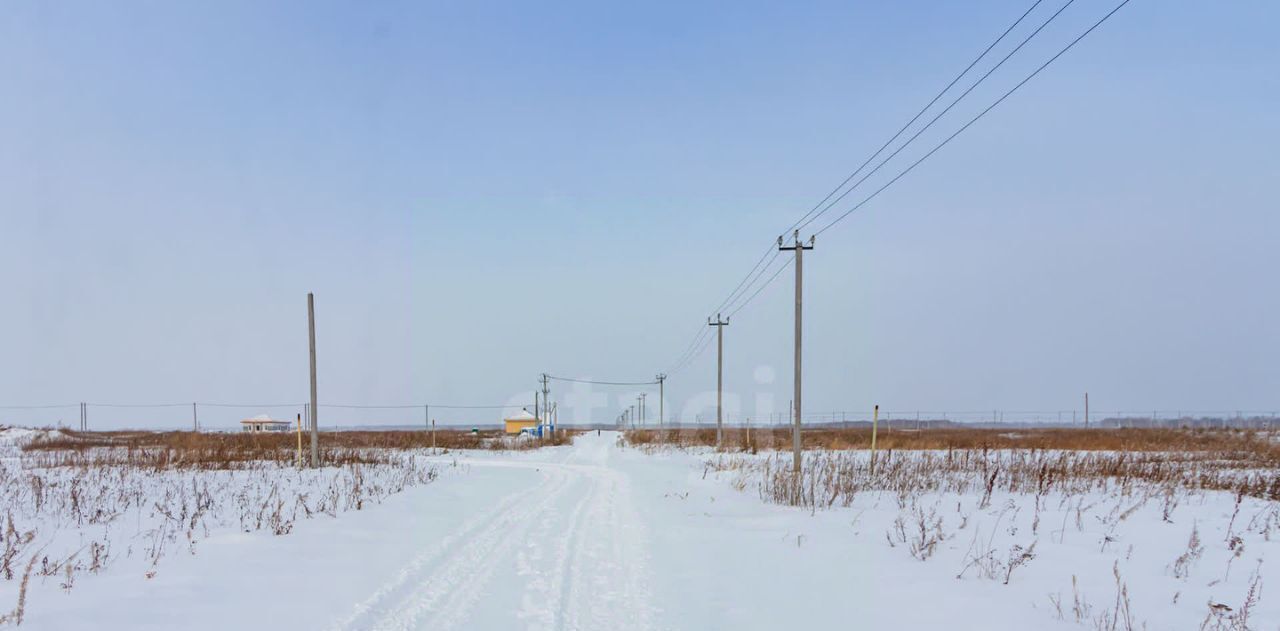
410 576
544 598
447 594
575 540
615 594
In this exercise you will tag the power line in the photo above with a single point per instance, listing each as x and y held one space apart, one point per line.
694 355
138 405
976 118
475 407
748 286
939 115
370 407
604 383
761 288
723 305
38 407
743 286
752 276
253 405
909 123
689 349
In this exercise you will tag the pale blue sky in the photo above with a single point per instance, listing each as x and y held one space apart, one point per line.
479 192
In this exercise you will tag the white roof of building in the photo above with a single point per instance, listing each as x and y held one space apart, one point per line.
522 415
262 418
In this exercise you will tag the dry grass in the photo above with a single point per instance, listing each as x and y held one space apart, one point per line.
1251 445
165 450
957 460
137 499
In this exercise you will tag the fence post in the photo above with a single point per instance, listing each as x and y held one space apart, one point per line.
875 420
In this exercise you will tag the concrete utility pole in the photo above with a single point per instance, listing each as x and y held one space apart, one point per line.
799 249
195 420
314 412
719 324
661 400
546 401
641 406
1086 410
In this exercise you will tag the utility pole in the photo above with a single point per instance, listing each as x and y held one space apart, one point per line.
799 248
641 399
719 324
1086 410
315 413
426 415
546 401
661 400
195 420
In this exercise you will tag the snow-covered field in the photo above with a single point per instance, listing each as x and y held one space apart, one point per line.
599 535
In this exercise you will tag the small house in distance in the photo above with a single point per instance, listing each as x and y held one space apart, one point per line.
263 423
520 422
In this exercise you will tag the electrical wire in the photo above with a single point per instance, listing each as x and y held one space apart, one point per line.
939 115
911 122
137 405
39 407
248 405
604 383
752 276
761 288
975 118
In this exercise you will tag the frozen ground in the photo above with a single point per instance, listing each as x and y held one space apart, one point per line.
601 536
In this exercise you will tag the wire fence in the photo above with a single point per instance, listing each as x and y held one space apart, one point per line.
222 416
925 419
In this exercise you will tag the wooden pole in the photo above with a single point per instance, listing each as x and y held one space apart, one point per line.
315 413
299 460
875 420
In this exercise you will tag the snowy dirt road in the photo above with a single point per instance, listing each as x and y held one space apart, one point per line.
568 553
600 536
549 539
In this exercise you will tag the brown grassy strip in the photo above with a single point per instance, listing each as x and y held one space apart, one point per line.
165 450
1240 443
958 460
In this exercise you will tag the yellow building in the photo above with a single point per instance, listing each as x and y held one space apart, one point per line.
520 422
